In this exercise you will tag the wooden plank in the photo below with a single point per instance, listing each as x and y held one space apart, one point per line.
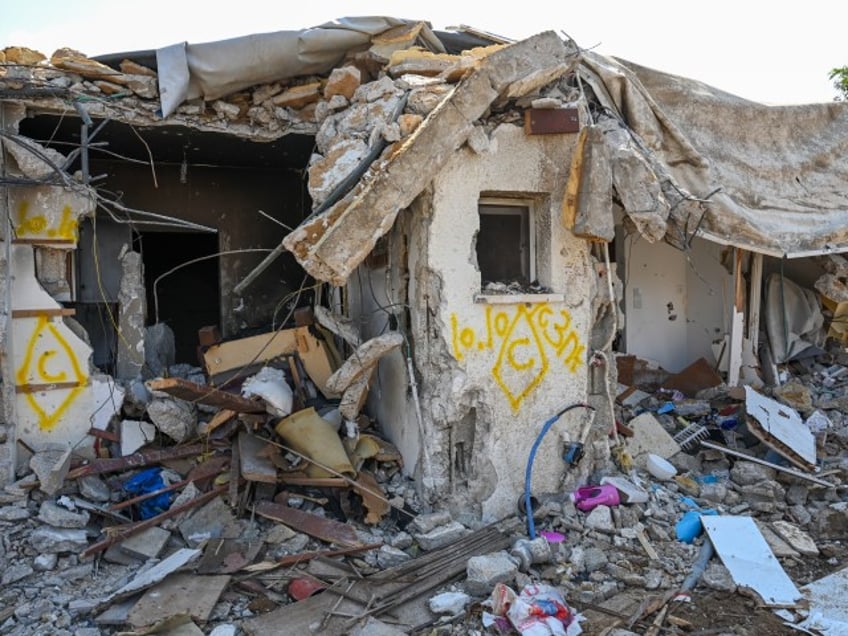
390 589
221 417
181 593
233 355
37 313
239 358
253 465
752 458
203 394
322 528
53 386
43 241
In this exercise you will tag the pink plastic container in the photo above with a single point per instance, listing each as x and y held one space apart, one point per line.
588 497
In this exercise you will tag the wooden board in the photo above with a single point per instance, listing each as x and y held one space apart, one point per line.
203 394
319 527
238 357
182 593
780 427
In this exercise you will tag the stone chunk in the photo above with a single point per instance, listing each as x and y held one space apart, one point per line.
450 603
51 466
441 536
22 55
795 537
408 122
55 515
45 562
388 557
748 473
600 519
76 62
13 513
135 434
427 522
298 96
485 571
56 540
343 81
129 67
15 573
175 418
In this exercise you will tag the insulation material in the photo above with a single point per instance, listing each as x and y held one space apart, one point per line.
794 321
214 69
782 178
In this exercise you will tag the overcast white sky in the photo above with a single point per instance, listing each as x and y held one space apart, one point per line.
775 52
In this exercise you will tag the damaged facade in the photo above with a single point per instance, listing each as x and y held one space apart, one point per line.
445 239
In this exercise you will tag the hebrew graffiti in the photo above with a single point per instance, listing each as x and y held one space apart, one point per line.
49 359
527 341
40 226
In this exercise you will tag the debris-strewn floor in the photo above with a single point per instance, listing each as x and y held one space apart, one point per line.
231 531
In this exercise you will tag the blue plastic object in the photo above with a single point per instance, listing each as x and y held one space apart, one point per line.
528 471
668 407
689 527
143 483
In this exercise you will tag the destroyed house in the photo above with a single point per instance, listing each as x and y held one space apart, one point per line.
444 238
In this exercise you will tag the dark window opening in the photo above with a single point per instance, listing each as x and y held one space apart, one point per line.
504 250
187 295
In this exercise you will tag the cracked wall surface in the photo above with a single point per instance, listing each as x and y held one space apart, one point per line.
496 371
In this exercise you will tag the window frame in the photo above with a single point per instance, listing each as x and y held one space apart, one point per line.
526 244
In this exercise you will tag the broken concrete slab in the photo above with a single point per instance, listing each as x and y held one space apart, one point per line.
135 434
795 537
155 574
587 205
363 359
51 467
649 436
331 245
147 544
132 313
485 571
174 418
58 516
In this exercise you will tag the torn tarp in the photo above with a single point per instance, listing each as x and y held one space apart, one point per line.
775 177
214 69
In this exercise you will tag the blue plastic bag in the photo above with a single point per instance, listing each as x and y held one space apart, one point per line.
147 481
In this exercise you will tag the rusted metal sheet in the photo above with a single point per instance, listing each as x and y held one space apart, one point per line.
307 523
551 121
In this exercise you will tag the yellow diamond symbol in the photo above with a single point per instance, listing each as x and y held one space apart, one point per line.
521 364
49 359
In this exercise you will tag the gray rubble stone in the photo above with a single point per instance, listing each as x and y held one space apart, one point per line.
57 516
427 522
450 603
717 577
441 536
45 562
224 630
797 494
13 513
93 488
49 539
388 557
15 573
484 571
173 417
401 540
716 492
87 631
748 473
601 519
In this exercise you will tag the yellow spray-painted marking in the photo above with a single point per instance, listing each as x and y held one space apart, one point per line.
526 340
38 368
38 225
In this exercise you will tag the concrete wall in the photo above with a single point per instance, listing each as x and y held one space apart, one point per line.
491 374
227 199
675 308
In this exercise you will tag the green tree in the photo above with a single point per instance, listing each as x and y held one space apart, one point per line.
840 82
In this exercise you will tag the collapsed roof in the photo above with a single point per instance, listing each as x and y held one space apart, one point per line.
687 159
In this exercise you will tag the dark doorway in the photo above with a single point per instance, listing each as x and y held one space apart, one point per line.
187 293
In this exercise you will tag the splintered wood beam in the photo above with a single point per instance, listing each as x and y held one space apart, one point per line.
203 394
136 460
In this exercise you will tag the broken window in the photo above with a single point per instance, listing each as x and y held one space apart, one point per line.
505 242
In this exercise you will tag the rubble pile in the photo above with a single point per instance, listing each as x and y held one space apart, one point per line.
228 511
